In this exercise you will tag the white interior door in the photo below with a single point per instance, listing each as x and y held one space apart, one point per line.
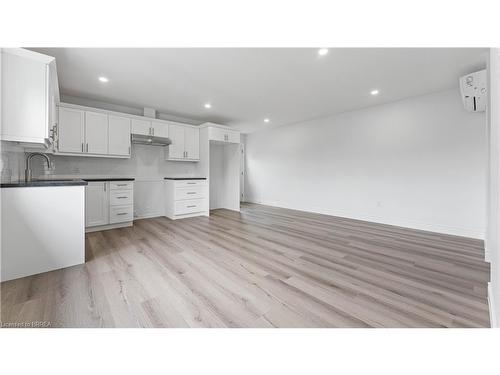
119 135
96 133
176 135
192 143
70 130
96 204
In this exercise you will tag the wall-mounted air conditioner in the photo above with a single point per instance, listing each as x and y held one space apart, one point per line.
474 92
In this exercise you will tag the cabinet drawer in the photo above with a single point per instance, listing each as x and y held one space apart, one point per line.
121 185
120 198
189 183
194 192
190 206
119 214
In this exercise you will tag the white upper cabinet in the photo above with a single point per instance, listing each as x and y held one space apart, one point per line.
220 134
119 135
185 143
90 133
159 129
96 133
29 92
141 127
145 127
176 135
192 143
71 130
100 133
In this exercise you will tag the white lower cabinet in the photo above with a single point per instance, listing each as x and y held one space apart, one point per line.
96 204
185 198
189 206
120 214
108 204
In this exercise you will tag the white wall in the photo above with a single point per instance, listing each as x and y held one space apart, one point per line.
492 241
417 163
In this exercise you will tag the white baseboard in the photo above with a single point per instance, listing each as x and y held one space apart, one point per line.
487 256
491 303
400 222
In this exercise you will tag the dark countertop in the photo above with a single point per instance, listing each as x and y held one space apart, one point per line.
185 178
108 179
38 183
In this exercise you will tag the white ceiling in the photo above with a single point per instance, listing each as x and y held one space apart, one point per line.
245 86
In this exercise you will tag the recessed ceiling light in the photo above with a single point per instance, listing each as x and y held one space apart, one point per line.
374 92
322 51
208 105
103 79
266 120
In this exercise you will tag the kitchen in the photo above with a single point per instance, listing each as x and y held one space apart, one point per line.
217 187
119 167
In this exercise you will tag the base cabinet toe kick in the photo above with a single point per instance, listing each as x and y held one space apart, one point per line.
186 198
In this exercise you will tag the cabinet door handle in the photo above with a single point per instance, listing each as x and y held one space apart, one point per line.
87 147
105 186
121 197
191 206
82 146
191 183
187 153
191 192
122 213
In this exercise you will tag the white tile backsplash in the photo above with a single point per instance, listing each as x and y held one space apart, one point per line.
146 162
11 161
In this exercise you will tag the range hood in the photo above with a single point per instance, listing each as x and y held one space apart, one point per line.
151 140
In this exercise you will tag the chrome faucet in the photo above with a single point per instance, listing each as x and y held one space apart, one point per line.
28 172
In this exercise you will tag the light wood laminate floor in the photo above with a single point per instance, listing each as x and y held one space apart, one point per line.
263 267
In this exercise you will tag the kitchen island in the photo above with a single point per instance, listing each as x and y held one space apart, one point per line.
42 226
